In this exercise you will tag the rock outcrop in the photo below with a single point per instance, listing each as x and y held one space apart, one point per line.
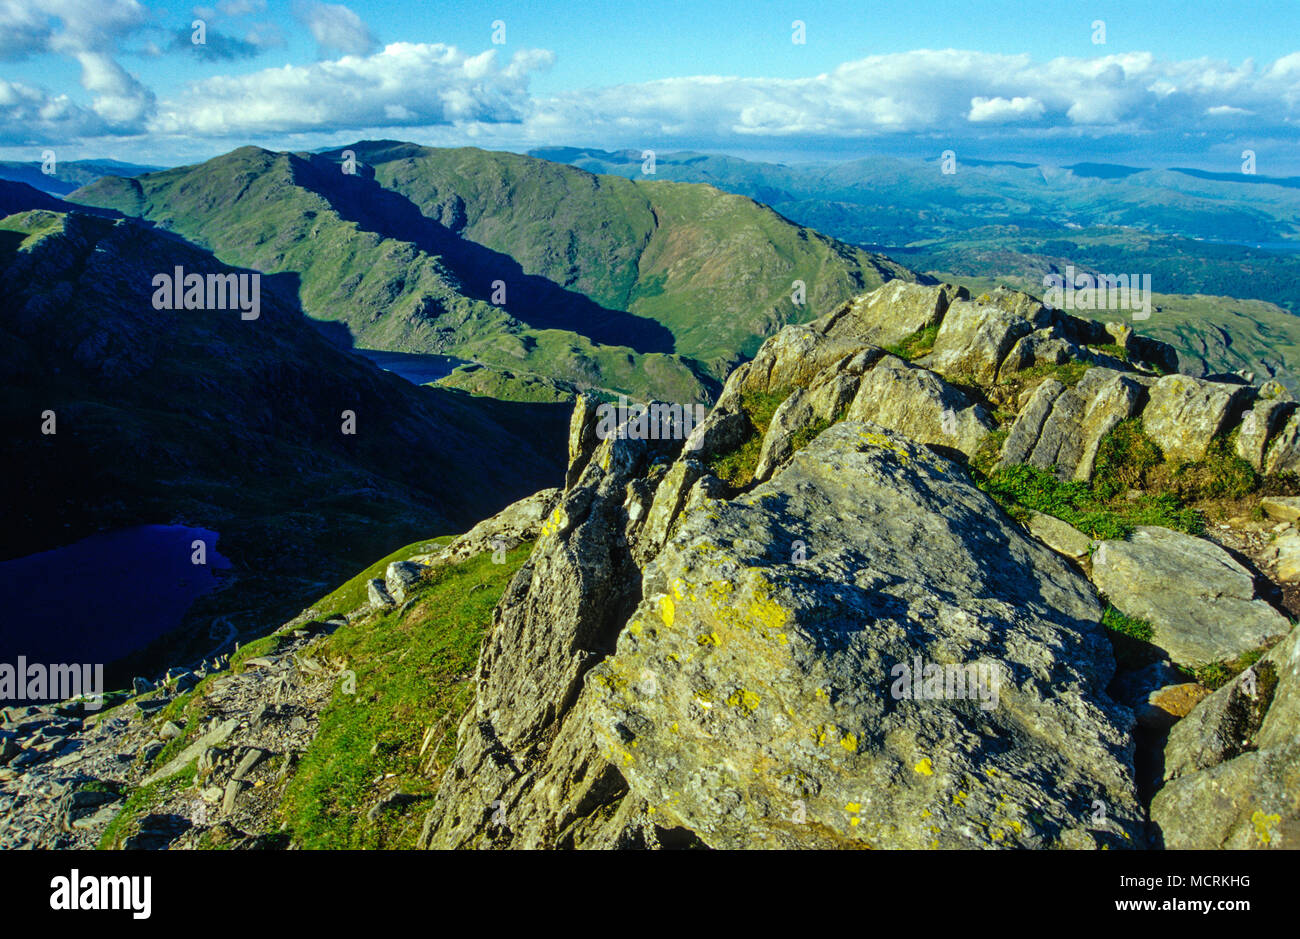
1202 605
1232 767
1185 414
737 686
1062 427
689 661
755 695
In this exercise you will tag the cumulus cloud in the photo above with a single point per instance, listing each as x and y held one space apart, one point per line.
24 30
404 85
1003 110
334 27
87 31
436 92
31 116
940 92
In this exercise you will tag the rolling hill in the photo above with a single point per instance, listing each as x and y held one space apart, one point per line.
645 288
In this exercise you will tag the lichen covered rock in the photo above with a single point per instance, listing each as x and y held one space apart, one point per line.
752 696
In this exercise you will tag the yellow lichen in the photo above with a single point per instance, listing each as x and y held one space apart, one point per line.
743 699
925 768
1263 825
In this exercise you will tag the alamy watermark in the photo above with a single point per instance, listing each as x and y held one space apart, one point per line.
181 291
1071 291
37 682
654 421
928 681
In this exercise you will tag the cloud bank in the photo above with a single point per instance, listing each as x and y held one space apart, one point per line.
439 93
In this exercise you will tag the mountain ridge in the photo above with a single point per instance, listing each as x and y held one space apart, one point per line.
445 310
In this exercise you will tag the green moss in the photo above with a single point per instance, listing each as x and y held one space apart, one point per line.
1021 488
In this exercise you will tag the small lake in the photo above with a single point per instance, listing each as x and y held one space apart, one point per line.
414 367
104 597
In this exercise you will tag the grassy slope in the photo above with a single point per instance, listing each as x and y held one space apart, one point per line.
398 728
412 686
300 217
715 268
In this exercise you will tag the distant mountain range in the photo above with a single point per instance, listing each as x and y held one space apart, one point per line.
915 200
1222 248
67 175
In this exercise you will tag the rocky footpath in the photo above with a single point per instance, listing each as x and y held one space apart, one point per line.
256 721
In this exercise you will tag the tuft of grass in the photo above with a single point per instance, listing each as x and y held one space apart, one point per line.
1021 488
1133 484
138 804
1112 349
917 345
1221 474
989 450
1217 674
1131 638
1124 459
410 672
1067 373
736 467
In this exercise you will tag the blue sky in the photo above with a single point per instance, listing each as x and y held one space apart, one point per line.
1173 83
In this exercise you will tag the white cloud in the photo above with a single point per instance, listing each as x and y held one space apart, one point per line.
404 85
1224 110
335 27
87 31
241 7
935 92
24 29
435 92
32 117
1004 111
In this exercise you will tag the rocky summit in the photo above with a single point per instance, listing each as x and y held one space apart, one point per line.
936 571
